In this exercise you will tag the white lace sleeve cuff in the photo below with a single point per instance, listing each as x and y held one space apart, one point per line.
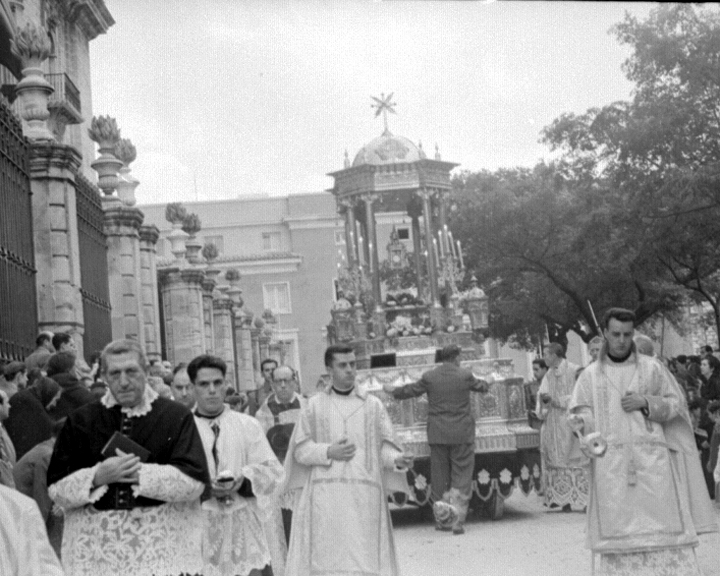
75 490
165 482
265 477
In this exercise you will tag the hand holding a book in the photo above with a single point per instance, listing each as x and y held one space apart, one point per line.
123 468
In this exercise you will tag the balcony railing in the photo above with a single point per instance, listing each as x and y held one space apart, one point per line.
64 90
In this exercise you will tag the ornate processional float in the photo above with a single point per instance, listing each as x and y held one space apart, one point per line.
398 313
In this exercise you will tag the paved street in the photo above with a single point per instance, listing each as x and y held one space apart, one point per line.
528 540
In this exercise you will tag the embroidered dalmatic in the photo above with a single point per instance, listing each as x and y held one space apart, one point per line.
648 500
341 524
152 528
234 541
564 467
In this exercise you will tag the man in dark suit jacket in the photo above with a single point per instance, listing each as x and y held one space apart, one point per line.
450 428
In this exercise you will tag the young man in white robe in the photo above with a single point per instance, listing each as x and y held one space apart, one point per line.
344 457
244 474
648 500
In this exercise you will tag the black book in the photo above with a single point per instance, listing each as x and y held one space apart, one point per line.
127 445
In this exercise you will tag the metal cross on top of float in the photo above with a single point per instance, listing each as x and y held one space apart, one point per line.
384 104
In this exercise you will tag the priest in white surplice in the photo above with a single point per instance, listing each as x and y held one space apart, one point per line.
234 542
648 500
343 455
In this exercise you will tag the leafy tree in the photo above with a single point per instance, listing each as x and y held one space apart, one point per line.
547 248
661 150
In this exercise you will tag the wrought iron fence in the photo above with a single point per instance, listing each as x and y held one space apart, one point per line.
18 300
93 266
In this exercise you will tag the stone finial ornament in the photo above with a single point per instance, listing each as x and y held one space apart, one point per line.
210 252
104 130
32 46
232 275
437 152
125 151
175 212
346 161
191 224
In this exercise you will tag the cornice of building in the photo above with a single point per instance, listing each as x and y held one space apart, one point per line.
92 16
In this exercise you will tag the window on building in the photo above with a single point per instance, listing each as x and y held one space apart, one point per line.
271 241
403 233
218 241
276 296
339 237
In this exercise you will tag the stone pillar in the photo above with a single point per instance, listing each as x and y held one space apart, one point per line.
122 228
244 351
224 337
149 289
182 300
57 251
208 286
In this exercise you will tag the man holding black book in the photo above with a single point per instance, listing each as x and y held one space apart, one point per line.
129 469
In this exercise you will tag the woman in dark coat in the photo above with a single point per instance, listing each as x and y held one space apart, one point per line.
29 422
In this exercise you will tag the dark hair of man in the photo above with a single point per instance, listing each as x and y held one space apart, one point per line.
117 347
42 338
60 363
557 349
205 361
336 349
59 339
13 369
707 348
179 367
540 362
619 314
681 359
713 362
267 361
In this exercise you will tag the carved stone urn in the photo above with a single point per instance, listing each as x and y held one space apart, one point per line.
104 131
32 47
126 153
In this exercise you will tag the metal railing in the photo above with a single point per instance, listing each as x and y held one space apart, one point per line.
65 89
18 301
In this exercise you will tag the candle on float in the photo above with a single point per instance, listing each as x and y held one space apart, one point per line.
442 245
445 239
452 245
459 249
435 252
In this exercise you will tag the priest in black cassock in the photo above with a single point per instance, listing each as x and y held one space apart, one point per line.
134 512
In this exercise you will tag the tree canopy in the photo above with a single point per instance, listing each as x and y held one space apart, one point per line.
629 213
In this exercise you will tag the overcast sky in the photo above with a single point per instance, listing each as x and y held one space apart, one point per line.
225 97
